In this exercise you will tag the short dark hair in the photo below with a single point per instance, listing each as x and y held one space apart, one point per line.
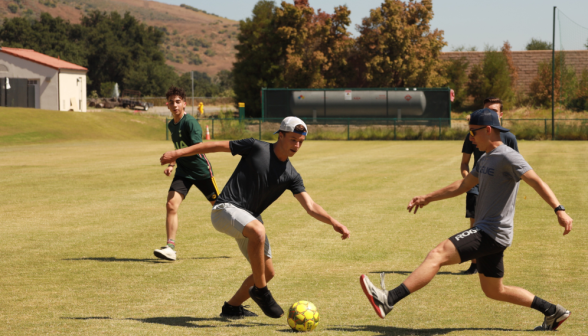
175 91
298 128
493 100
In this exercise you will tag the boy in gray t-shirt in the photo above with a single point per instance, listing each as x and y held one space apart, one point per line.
498 172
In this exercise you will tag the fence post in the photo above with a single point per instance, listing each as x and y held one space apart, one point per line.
166 130
259 129
394 129
212 128
545 120
348 125
439 128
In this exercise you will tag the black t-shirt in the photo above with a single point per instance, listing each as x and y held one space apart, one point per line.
507 138
260 177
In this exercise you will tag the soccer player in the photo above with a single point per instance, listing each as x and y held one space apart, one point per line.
498 172
261 176
495 104
195 170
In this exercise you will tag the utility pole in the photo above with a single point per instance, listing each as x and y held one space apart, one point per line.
553 79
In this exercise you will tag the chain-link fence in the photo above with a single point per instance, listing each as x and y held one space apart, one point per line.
390 129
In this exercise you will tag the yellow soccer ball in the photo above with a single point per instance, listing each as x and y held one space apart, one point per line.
303 316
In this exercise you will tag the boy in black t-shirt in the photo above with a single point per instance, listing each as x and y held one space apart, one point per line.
261 176
469 148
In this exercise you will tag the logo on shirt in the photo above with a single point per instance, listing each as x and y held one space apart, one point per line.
486 170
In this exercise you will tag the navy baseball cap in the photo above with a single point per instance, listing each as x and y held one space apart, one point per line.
486 117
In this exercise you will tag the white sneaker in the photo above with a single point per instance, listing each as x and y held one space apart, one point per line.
166 253
378 297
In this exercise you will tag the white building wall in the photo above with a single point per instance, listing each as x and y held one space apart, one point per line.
47 89
72 90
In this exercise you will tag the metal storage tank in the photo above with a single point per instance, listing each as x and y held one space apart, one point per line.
356 104
408 104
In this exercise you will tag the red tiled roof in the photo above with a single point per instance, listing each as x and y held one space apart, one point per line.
43 59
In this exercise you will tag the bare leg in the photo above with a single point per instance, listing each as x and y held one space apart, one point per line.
442 255
494 289
174 199
243 293
255 232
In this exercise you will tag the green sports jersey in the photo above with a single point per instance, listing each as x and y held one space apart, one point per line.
185 134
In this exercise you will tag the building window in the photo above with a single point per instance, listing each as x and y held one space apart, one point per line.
33 81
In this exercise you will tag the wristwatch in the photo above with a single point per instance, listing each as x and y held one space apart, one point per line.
559 208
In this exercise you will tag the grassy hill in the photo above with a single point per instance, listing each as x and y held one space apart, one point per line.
22 126
195 40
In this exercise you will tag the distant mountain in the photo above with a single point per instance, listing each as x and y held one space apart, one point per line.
195 40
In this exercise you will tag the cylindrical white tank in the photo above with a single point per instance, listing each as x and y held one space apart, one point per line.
409 103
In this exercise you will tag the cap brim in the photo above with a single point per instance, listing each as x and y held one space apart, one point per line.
501 129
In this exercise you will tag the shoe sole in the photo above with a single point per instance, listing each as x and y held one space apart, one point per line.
162 256
370 297
232 317
557 324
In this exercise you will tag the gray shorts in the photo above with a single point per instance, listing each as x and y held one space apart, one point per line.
229 219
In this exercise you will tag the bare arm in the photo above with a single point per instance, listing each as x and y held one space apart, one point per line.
319 213
200 148
169 168
532 179
454 189
464 167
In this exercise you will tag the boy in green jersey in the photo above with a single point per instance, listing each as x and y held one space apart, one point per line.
194 170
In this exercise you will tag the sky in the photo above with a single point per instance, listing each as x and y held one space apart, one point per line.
469 23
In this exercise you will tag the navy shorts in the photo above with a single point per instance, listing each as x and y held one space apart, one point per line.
475 244
471 200
207 187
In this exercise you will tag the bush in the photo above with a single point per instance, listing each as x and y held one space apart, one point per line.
210 52
536 44
457 79
565 83
491 78
106 89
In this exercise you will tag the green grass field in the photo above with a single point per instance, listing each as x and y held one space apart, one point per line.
81 216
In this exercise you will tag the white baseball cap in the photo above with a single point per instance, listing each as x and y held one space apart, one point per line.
290 123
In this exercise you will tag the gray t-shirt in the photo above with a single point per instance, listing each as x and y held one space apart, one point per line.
499 173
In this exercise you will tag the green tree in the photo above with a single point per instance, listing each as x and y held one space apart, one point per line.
565 82
491 78
457 79
257 60
537 44
51 36
397 46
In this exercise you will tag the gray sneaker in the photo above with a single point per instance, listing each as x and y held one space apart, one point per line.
553 321
378 297
166 253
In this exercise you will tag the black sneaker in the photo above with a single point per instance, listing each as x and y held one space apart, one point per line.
472 270
265 301
232 312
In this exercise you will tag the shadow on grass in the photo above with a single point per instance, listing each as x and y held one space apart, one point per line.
410 272
383 330
151 260
181 321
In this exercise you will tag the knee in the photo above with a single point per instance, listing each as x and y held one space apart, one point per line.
255 232
436 255
493 292
171 207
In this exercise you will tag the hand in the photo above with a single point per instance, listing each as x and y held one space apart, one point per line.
565 221
168 157
341 229
168 170
416 203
